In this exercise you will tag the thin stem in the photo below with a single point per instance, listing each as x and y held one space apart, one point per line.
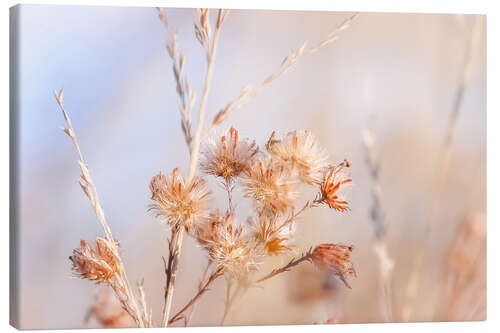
169 268
241 289
386 268
308 205
286 65
90 190
194 157
200 292
377 217
206 277
169 292
204 98
442 170
230 301
294 262
229 190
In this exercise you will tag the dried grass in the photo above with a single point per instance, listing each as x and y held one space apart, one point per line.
235 250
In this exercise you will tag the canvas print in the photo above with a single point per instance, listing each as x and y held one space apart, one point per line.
216 167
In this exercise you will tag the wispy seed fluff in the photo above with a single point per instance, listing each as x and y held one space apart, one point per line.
227 156
227 246
179 203
300 151
268 234
96 263
270 186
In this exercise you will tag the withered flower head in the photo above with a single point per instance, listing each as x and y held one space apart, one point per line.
333 180
300 151
228 246
334 257
266 233
97 263
227 156
270 186
180 204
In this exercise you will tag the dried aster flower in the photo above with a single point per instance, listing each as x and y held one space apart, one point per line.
270 186
266 233
180 204
97 263
300 151
333 180
228 246
228 156
334 257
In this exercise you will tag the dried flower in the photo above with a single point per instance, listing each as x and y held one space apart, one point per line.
300 151
334 257
266 233
228 156
180 204
227 245
332 182
270 186
97 263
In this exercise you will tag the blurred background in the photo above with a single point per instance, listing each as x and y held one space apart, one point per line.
396 74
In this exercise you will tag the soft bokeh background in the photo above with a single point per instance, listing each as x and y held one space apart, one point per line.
119 91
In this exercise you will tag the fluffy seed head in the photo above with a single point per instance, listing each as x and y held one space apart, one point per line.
267 234
228 247
179 203
333 181
227 156
300 151
98 263
270 186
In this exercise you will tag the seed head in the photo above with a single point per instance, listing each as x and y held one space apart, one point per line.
266 233
178 203
227 156
333 181
299 151
228 247
270 186
334 257
97 263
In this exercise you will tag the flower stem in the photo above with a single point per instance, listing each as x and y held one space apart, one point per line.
194 161
193 300
294 262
